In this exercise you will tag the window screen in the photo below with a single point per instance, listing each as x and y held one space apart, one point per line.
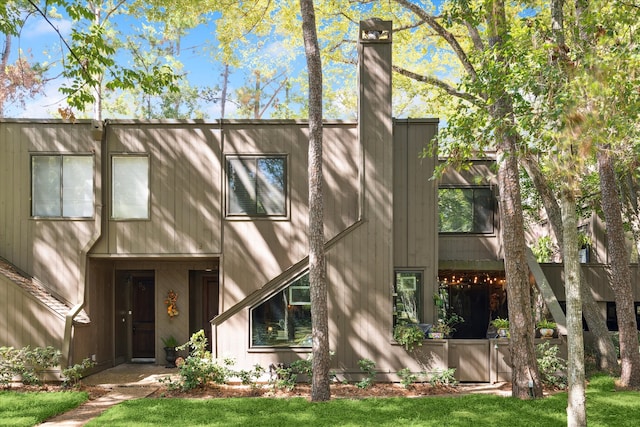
130 187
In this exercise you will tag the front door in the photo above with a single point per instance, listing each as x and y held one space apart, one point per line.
143 319
204 292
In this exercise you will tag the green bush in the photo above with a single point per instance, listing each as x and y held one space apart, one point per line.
407 377
442 377
408 335
368 366
553 368
73 374
27 363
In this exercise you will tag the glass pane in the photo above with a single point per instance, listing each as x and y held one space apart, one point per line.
130 192
271 186
242 184
284 320
455 210
45 181
407 297
483 210
77 186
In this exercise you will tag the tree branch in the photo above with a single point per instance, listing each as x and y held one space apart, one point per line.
439 84
446 35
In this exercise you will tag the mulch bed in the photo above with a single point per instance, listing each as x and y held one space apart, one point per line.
349 391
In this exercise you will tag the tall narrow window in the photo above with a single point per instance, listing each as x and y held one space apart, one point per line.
130 187
407 303
284 320
62 186
465 210
256 186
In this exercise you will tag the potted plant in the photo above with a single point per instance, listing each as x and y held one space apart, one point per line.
409 335
546 328
440 330
170 344
502 325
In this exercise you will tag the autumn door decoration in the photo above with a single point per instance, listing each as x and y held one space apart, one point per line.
172 303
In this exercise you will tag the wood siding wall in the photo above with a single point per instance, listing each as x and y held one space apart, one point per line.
45 248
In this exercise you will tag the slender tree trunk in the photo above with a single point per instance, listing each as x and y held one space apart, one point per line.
4 61
620 276
320 390
225 85
576 406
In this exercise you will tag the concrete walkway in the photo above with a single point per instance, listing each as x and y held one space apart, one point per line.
124 382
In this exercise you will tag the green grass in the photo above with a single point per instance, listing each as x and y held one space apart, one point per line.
31 408
605 407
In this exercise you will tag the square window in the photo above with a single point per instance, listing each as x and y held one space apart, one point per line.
62 186
130 187
256 186
465 210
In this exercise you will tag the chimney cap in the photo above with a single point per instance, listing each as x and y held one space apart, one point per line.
375 30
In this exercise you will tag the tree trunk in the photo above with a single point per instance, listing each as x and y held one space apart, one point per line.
620 275
524 370
576 405
320 390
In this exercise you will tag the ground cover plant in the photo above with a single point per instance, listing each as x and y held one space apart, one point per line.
31 408
606 406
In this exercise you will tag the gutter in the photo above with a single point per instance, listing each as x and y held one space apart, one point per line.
98 132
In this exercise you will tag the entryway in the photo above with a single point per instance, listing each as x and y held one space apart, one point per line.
135 316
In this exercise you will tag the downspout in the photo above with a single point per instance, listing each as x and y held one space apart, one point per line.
98 131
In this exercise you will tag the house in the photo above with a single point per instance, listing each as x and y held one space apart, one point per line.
115 235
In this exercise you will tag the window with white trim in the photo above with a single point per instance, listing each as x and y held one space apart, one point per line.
284 320
130 187
256 185
62 186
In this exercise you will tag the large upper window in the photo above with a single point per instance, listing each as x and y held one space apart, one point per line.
130 187
465 210
62 186
284 320
256 185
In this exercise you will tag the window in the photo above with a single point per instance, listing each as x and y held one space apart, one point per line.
406 297
465 210
256 186
612 315
130 187
284 320
62 186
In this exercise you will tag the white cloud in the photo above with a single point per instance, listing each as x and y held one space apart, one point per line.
38 28
44 106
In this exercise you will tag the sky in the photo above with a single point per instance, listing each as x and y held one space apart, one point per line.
41 43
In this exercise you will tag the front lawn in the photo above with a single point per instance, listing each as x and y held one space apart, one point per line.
606 407
31 408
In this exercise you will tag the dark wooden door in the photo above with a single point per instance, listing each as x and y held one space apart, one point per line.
203 302
143 318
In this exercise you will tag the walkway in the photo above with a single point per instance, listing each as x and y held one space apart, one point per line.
125 382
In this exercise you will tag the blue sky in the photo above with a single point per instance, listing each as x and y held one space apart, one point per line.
39 40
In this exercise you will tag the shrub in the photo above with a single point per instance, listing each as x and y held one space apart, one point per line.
73 374
442 377
27 363
553 368
368 366
407 377
251 377
408 335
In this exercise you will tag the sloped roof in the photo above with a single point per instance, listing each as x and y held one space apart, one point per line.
39 292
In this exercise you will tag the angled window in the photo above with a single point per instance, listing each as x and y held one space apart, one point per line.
130 187
284 320
62 186
256 185
466 210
